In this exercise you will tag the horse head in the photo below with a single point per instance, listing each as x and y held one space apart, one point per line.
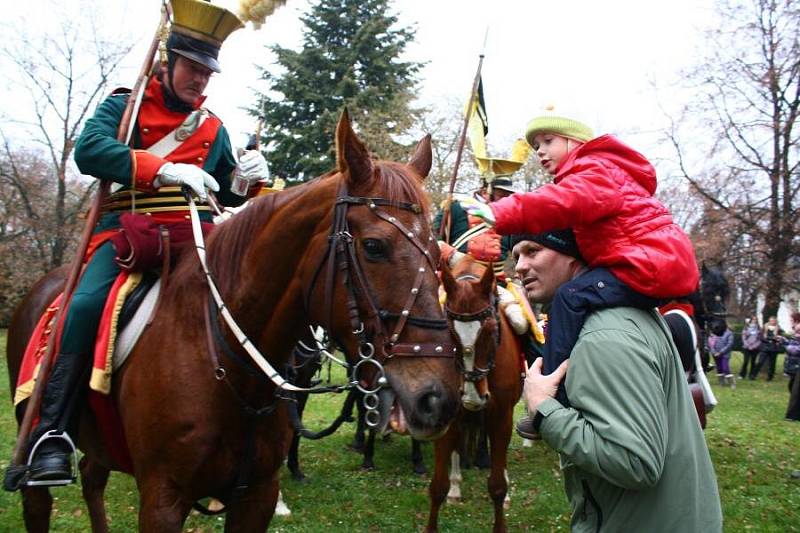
473 318
375 287
714 290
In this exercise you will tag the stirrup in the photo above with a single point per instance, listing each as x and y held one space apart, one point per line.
52 434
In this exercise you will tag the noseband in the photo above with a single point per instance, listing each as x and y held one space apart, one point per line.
341 255
482 316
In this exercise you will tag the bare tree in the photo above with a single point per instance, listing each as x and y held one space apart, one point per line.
747 88
64 74
57 77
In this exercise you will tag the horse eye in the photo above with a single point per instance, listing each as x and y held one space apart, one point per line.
375 249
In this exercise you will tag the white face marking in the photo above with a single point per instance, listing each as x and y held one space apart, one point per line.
468 334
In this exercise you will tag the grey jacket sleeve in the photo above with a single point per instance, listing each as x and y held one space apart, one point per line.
617 426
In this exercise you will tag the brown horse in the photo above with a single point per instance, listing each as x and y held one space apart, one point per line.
344 251
490 362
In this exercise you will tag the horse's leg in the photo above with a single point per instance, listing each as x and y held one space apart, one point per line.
369 451
253 510
361 427
443 450
499 425
454 494
161 507
94 478
36 506
416 457
482 459
293 461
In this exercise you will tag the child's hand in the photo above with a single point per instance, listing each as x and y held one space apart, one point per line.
482 211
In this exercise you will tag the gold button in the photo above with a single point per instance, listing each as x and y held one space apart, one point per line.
187 217
199 159
149 214
206 145
145 130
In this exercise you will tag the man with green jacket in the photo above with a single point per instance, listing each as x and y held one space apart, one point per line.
632 452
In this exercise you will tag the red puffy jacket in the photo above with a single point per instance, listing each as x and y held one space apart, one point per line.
603 190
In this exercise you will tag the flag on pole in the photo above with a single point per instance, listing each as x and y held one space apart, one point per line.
478 123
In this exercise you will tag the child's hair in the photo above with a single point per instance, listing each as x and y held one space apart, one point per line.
551 121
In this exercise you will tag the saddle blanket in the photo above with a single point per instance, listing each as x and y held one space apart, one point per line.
112 348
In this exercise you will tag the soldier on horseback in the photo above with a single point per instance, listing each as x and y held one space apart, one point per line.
175 143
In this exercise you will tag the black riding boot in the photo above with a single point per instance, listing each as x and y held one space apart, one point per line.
61 405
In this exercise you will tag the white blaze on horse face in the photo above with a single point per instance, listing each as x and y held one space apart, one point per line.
468 335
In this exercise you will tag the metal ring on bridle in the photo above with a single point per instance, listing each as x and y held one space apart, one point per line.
378 381
372 418
366 350
371 401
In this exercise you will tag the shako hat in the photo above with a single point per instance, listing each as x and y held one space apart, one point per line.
199 29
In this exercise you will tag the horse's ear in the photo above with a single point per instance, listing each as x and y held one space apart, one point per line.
487 279
448 280
422 159
351 155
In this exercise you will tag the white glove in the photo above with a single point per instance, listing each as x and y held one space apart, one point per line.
252 166
480 210
184 174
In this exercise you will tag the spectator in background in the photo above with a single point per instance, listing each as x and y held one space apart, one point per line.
720 344
791 367
771 346
751 343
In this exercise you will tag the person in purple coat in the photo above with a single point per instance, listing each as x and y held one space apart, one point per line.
720 344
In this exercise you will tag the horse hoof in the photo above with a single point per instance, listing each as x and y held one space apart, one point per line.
419 470
527 443
214 505
453 499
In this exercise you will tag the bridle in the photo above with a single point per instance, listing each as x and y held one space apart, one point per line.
341 256
488 318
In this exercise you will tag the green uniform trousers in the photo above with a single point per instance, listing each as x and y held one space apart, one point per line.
86 307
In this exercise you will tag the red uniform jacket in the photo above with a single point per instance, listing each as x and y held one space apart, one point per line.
603 190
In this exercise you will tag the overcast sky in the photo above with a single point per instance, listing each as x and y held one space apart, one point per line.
596 59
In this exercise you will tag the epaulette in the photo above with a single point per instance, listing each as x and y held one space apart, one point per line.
120 91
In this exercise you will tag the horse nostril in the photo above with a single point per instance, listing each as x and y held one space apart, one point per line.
429 405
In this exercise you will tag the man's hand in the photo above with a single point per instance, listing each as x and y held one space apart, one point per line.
539 387
252 166
184 174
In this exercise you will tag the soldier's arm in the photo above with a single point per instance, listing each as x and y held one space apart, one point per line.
98 153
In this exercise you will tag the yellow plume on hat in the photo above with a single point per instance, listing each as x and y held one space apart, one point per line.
203 20
505 167
257 11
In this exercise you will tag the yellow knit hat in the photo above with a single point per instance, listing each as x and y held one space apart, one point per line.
553 122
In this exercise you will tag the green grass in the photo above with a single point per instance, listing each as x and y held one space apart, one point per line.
754 450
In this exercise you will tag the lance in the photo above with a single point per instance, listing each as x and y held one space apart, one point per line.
123 135
444 228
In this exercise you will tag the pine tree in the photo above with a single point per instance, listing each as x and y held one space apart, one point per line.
350 58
